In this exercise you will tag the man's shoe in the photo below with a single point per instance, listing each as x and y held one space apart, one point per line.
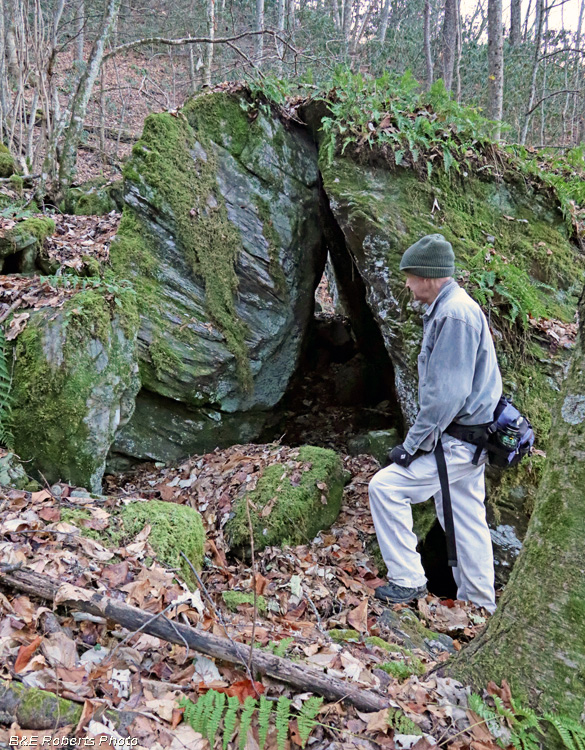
392 593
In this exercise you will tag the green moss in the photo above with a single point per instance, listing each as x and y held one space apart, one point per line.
91 265
7 165
164 359
295 508
17 183
176 168
39 228
4 149
373 640
36 706
233 599
271 236
340 636
174 529
402 670
220 116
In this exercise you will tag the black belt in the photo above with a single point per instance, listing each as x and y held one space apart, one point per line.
447 508
476 435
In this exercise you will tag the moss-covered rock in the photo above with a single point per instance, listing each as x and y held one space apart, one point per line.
514 255
93 198
75 381
221 237
174 529
7 163
24 241
292 502
376 443
12 474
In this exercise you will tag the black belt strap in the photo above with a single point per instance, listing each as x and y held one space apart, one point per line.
447 508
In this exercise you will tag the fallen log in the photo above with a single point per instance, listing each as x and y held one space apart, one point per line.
33 708
303 677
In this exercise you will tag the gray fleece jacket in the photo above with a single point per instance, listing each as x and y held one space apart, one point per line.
458 375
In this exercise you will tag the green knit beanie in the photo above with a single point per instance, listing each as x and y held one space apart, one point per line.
431 257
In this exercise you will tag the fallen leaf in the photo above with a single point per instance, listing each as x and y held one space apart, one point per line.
358 617
25 654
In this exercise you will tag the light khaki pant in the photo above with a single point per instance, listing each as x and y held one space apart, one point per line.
394 489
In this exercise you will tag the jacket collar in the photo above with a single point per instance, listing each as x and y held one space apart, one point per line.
445 291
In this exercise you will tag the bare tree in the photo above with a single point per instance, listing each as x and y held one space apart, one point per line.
540 10
495 65
259 26
281 22
80 100
211 35
515 22
427 43
449 39
80 30
384 21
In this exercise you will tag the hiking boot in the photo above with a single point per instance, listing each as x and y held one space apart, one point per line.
392 593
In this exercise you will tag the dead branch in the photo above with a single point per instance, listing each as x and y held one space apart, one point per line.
299 676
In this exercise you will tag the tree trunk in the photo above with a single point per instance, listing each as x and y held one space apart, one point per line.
347 8
82 96
210 47
281 23
495 65
577 70
384 21
79 29
515 22
449 41
535 639
260 38
537 42
427 43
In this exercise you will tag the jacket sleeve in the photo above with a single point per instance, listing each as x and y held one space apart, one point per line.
447 383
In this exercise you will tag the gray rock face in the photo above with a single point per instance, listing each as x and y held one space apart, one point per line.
231 359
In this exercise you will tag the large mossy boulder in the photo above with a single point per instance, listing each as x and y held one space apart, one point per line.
515 255
291 503
221 238
75 382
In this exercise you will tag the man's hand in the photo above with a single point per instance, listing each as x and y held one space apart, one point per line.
400 456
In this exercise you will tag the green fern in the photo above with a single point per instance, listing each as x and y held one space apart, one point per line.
246 720
216 716
264 712
306 721
6 436
571 732
522 725
282 719
206 714
229 723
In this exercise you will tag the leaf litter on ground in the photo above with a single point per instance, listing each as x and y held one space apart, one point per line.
325 585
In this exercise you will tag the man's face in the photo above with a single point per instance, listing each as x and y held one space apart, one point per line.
422 289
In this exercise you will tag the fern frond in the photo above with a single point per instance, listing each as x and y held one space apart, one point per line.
571 732
6 436
397 720
306 720
216 716
207 708
264 712
229 723
282 719
246 720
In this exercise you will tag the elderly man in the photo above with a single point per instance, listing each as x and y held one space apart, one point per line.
459 382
